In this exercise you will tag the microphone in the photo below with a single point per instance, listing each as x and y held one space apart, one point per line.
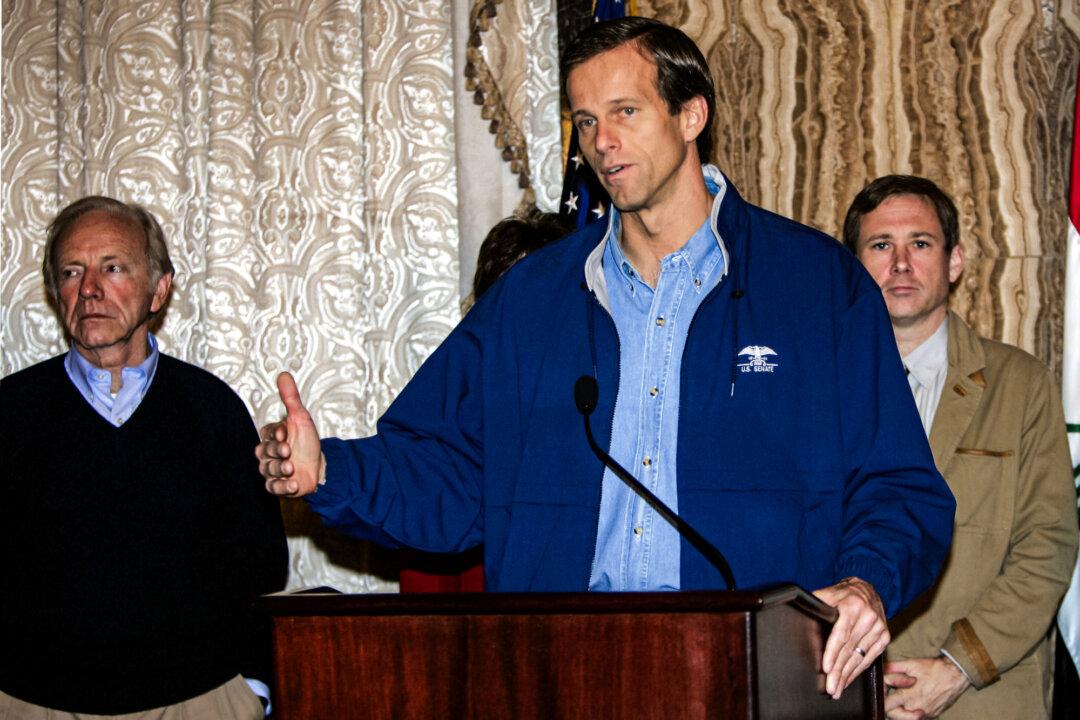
586 393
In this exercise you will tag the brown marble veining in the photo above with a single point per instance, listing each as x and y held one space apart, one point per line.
816 97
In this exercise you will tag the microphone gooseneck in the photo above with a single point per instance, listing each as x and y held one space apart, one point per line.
586 393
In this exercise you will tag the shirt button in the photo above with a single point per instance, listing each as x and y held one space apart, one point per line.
654 391
637 531
697 282
660 320
646 462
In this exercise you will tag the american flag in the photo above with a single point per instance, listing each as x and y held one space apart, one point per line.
1069 614
583 199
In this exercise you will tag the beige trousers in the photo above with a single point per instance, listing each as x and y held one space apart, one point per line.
232 701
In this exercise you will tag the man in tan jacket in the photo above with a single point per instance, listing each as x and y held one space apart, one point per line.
976 645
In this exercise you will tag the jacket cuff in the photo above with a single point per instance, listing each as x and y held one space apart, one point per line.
870 570
966 649
331 492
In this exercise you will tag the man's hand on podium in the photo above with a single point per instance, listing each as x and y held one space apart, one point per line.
859 635
290 456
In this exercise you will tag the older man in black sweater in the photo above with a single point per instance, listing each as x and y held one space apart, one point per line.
133 508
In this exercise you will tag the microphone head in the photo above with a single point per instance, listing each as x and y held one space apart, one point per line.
586 392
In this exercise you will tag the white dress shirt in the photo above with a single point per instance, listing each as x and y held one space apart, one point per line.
927 366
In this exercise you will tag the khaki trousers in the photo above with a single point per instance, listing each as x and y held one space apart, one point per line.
232 701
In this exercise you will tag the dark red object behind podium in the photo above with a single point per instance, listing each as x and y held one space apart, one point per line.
441 573
605 655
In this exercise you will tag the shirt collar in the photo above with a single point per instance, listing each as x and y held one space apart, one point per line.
89 378
715 183
930 359
700 253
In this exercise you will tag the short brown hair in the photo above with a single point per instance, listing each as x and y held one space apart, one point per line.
889 186
681 71
512 239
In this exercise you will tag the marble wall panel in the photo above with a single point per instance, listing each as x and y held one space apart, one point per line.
817 97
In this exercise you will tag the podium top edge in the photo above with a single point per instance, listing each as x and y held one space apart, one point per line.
311 603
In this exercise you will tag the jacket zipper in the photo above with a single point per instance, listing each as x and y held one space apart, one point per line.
592 310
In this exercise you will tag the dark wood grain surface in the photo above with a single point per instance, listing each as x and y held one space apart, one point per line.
676 655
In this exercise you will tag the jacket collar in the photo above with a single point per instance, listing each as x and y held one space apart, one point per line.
960 398
726 217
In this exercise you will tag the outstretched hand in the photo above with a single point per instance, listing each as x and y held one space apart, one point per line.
290 456
859 635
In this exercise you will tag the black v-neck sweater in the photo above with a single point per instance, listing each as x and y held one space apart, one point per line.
134 552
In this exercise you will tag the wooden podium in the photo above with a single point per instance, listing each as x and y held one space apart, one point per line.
604 655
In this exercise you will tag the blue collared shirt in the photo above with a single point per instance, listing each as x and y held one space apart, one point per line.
636 549
94 384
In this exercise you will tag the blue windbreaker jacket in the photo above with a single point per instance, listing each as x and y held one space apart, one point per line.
800 454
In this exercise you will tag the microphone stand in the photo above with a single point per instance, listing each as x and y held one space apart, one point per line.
586 393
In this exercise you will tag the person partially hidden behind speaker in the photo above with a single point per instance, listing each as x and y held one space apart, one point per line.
978 644
746 374
510 240
134 524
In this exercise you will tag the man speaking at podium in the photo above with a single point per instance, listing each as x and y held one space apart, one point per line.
747 376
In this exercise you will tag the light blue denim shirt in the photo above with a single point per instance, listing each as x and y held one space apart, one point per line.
636 549
94 384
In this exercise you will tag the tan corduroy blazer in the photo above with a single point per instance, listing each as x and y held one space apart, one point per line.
999 439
